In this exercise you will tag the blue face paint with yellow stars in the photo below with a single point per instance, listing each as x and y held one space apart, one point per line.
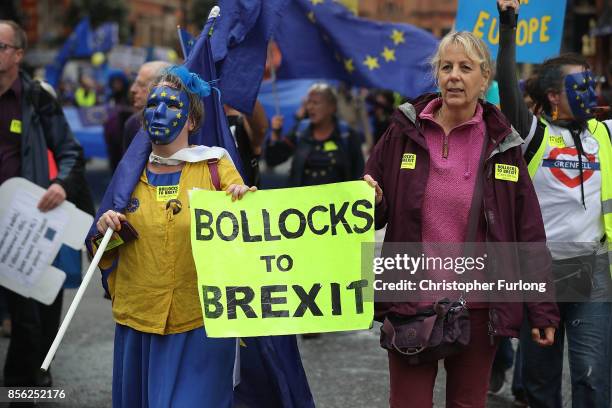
165 114
580 91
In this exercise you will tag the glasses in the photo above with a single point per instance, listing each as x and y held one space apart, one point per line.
4 47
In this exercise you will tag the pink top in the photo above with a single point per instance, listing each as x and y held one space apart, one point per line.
451 181
450 186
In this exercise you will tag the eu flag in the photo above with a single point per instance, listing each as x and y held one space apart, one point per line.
82 43
323 39
77 45
239 44
105 37
215 129
186 40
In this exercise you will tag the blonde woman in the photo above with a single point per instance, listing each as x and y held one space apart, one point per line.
453 141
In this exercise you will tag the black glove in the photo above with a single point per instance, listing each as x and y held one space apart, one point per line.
508 17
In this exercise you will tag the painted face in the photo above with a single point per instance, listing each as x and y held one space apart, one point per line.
580 90
165 114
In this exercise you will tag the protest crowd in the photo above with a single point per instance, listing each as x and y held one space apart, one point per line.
301 171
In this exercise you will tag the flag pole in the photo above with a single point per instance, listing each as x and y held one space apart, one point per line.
273 77
183 48
214 13
76 300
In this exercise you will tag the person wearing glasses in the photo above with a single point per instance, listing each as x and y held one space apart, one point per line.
33 132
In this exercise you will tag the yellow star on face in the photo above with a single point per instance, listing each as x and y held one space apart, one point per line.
315 2
311 17
174 123
178 115
173 98
348 65
180 104
167 131
157 132
397 37
163 94
153 96
388 54
371 63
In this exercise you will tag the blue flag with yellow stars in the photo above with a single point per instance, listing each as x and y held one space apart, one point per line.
82 43
215 129
324 39
239 43
186 40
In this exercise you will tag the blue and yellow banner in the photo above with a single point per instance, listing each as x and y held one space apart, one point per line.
538 33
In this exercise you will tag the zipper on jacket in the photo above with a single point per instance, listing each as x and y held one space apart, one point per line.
445 146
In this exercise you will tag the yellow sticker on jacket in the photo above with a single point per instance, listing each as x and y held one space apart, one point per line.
330 146
16 126
556 141
506 172
408 161
165 193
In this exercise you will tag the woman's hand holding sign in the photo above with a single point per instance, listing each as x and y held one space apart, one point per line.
374 184
239 190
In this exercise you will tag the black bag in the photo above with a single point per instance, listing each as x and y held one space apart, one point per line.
431 335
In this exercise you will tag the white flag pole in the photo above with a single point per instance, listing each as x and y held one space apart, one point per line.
76 300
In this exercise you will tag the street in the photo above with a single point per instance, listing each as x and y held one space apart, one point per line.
344 369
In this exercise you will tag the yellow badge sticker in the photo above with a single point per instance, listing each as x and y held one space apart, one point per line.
506 172
330 146
556 141
165 193
408 161
16 126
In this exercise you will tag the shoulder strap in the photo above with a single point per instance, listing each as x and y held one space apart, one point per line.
214 173
535 143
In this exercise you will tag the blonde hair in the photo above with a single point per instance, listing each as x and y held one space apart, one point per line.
474 47
325 90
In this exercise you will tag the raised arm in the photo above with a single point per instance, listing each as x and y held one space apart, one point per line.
510 95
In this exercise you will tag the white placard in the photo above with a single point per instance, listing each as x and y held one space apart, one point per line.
31 239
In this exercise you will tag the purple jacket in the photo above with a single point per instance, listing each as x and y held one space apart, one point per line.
510 211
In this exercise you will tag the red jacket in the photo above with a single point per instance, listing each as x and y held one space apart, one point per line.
510 211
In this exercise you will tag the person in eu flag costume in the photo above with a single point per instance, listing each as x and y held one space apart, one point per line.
162 356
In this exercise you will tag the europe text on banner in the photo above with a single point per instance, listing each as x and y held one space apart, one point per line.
539 30
284 261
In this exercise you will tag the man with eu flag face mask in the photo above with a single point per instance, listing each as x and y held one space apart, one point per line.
569 157
580 91
162 356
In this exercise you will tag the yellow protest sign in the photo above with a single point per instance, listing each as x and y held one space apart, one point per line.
284 261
